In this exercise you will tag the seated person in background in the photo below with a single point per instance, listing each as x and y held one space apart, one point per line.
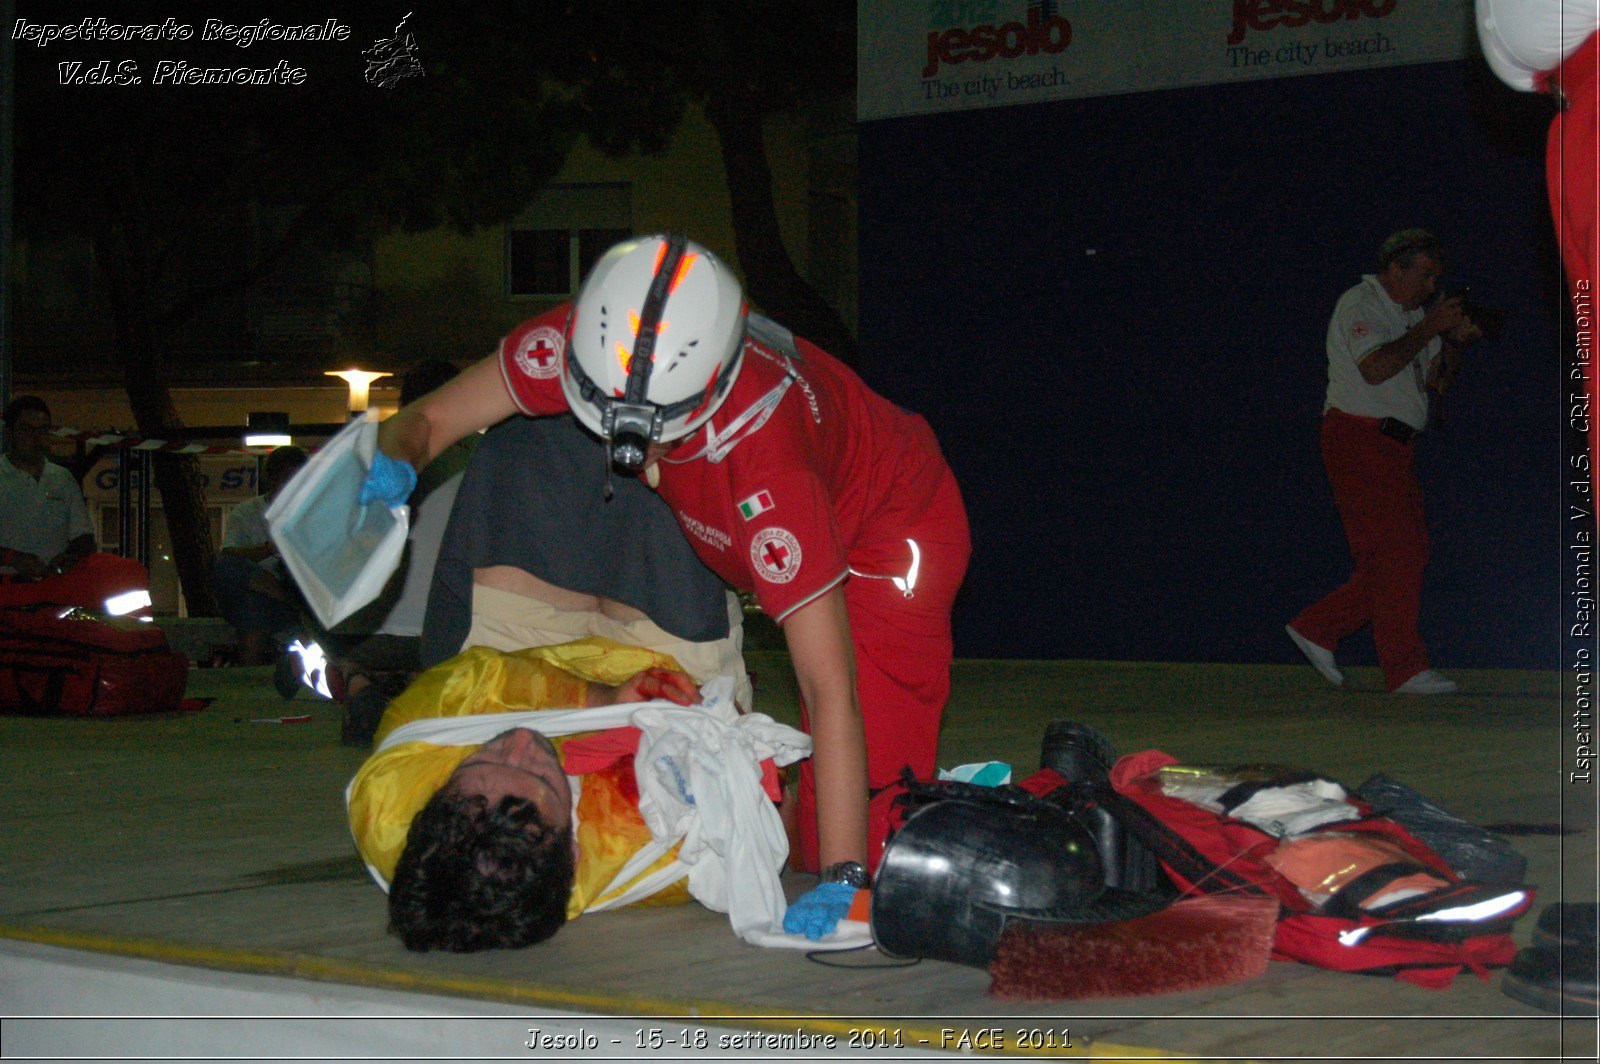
254 593
47 546
476 824
544 546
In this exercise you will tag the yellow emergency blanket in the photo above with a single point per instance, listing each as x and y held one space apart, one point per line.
394 784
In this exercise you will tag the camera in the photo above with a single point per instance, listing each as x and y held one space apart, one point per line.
1489 319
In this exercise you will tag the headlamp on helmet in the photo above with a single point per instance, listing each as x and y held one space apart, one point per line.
653 344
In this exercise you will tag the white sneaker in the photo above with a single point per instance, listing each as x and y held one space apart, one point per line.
1427 682
1319 657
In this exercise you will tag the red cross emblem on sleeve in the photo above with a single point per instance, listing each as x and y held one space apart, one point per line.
775 554
539 353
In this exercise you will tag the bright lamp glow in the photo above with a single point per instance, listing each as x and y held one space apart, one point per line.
313 667
360 382
125 603
268 441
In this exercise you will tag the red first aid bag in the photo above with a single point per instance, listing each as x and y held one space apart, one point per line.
1206 852
63 661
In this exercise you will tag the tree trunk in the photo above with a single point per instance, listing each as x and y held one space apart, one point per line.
180 485
769 272
177 477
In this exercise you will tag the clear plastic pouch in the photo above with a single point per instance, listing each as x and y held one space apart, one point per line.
340 553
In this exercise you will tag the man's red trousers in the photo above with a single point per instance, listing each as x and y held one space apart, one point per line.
1379 499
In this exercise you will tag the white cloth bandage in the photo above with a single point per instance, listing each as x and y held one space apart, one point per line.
699 774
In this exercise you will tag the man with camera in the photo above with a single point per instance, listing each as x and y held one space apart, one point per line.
1385 351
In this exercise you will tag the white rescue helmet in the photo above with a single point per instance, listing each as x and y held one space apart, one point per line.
654 343
1523 38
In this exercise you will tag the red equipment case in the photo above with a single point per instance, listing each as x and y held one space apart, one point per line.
63 661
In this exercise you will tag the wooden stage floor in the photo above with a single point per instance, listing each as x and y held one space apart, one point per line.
214 841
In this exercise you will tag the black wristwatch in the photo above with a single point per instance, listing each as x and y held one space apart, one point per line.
850 873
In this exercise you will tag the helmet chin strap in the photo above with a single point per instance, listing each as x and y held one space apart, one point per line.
652 478
609 460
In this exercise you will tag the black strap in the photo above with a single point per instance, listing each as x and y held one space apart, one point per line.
655 301
1174 851
1350 900
1240 793
918 793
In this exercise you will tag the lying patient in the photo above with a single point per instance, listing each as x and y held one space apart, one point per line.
493 836
490 860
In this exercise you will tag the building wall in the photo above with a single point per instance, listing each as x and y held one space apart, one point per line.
442 293
812 157
97 409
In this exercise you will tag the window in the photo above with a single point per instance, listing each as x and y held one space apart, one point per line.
552 245
552 262
110 533
541 262
592 243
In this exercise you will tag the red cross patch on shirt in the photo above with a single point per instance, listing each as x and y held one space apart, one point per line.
775 555
539 354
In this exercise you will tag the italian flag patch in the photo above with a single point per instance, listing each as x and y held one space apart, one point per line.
759 503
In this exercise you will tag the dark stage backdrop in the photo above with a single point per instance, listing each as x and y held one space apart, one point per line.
1113 313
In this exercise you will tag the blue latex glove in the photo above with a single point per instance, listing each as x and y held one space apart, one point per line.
819 911
389 481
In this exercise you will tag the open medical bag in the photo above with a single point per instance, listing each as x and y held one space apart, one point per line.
1409 914
66 661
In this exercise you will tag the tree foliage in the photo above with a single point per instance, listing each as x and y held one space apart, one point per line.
632 67
170 183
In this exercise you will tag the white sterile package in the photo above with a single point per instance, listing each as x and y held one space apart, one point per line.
339 552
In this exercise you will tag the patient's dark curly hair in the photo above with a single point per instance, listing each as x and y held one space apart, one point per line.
473 878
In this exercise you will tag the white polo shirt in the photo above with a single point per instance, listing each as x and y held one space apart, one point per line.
1364 320
247 524
40 517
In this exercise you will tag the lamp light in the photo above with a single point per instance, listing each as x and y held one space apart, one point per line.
360 382
267 428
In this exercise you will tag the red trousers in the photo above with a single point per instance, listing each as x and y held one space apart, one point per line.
87 584
903 652
1379 499
1571 160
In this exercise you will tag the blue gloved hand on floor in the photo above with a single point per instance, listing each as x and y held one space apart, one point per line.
817 912
389 481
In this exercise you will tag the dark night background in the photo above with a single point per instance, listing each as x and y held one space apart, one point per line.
1136 430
